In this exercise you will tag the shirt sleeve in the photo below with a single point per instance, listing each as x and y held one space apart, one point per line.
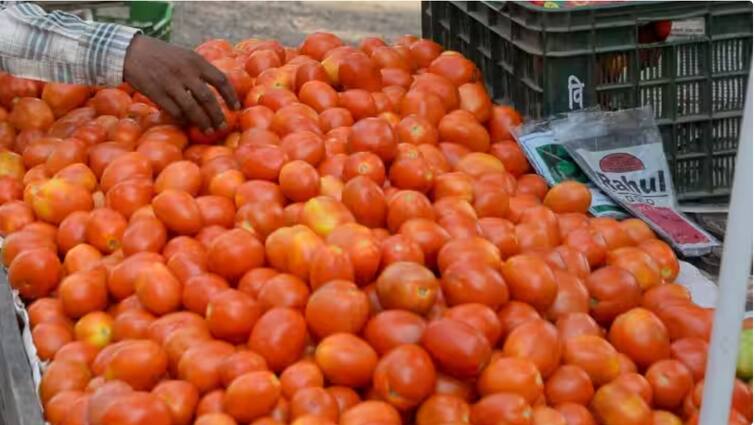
61 47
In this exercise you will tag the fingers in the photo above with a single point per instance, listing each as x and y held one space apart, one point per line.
176 79
207 101
189 106
218 80
163 100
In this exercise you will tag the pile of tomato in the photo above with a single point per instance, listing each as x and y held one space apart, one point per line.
363 244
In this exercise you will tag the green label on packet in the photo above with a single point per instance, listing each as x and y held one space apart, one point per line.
555 164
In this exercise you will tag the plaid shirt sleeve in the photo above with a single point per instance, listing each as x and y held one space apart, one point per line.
61 47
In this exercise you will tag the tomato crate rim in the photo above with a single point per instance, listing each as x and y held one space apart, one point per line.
695 12
625 6
19 402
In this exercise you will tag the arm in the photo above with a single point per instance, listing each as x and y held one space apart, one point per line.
58 46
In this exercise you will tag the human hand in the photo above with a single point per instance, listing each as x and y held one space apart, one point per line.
176 79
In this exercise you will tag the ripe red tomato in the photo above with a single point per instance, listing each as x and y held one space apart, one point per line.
49 338
593 354
329 263
511 375
423 52
366 411
313 405
358 71
410 170
408 286
575 414
501 408
359 103
423 104
337 306
637 384
472 281
158 289
405 205
131 324
345 397
181 398
323 214
83 292
670 381
251 395
279 336
346 359
662 296
300 375
391 328
503 118
139 363
362 247
461 127
569 384
693 353
663 256
438 85
457 348
614 404
231 315
304 145
572 296
235 252
364 164
530 280
29 113
200 364
538 341
35 272
335 117
644 269
317 44
440 408
366 201
374 135
404 376
614 291
513 314
454 66
641 335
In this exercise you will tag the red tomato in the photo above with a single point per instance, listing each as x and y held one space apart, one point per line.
641 335
530 280
457 348
346 359
404 376
501 408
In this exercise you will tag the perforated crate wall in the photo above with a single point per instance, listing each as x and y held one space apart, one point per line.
696 86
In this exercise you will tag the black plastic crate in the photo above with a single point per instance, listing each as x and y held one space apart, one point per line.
541 60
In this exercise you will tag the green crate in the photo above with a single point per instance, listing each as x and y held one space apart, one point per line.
529 55
154 18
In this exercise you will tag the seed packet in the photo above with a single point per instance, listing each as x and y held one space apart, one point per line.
622 153
551 160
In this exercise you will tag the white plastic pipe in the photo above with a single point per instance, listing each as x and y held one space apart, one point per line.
732 283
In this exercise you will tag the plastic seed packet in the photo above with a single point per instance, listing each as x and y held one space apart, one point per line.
551 160
622 153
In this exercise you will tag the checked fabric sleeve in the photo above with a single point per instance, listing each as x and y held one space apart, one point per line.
61 47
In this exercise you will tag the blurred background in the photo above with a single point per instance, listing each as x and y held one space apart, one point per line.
289 22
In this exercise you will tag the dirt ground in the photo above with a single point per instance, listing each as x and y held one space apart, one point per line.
290 22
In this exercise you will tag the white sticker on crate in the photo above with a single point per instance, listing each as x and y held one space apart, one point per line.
687 28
